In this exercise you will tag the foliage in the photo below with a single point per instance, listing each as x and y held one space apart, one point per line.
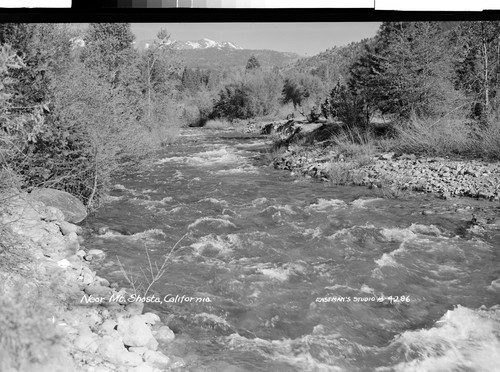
301 88
252 64
347 107
108 46
435 137
408 69
256 95
332 65
478 66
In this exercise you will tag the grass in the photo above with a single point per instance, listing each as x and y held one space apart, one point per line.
448 137
435 138
488 141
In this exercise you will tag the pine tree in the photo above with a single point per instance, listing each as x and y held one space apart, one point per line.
252 64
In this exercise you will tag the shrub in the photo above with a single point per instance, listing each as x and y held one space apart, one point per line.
347 107
435 137
255 95
487 142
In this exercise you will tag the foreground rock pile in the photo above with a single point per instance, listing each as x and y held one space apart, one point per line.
96 335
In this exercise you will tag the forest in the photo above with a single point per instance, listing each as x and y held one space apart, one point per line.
78 104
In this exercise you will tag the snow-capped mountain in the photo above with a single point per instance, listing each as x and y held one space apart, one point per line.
210 54
203 44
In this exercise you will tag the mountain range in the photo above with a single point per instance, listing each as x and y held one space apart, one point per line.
210 54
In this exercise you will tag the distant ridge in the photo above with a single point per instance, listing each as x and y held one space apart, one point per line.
192 44
210 54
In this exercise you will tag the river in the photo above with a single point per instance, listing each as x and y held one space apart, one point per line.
300 275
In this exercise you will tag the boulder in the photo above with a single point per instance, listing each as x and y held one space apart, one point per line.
164 333
138 350
141 368
95 254
157 359
73 209
72 242
53 214
108 326
150 318
86 342
101 281
113 350
135 332
68 228
98 290
64 263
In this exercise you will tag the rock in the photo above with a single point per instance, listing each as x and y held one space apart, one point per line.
53 214
428 212
113 350
157 359
495 285
86 342
98 290
73 244
446 195
95 254
80 254
135 332
164 334
87 276
127 358
108 326
150 318
67 228
141 368
388 156
138 350
101 369
64 263
102 230
73 209
101 281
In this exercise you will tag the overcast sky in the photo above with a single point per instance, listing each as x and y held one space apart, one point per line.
302 38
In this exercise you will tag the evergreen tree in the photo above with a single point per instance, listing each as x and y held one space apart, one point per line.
408 70
252 64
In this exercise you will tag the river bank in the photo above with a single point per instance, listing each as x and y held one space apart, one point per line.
393 172
56 313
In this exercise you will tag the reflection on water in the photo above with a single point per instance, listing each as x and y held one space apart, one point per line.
303 276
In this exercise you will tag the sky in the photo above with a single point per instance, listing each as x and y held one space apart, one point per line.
306 39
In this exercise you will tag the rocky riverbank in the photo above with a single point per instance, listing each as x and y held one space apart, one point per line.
57 314
441 176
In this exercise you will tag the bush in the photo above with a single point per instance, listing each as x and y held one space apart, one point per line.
488 141
435 137
255 96
344 106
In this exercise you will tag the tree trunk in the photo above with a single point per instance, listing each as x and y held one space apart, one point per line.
486 82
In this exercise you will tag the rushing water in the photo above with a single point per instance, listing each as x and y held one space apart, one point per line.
300 273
